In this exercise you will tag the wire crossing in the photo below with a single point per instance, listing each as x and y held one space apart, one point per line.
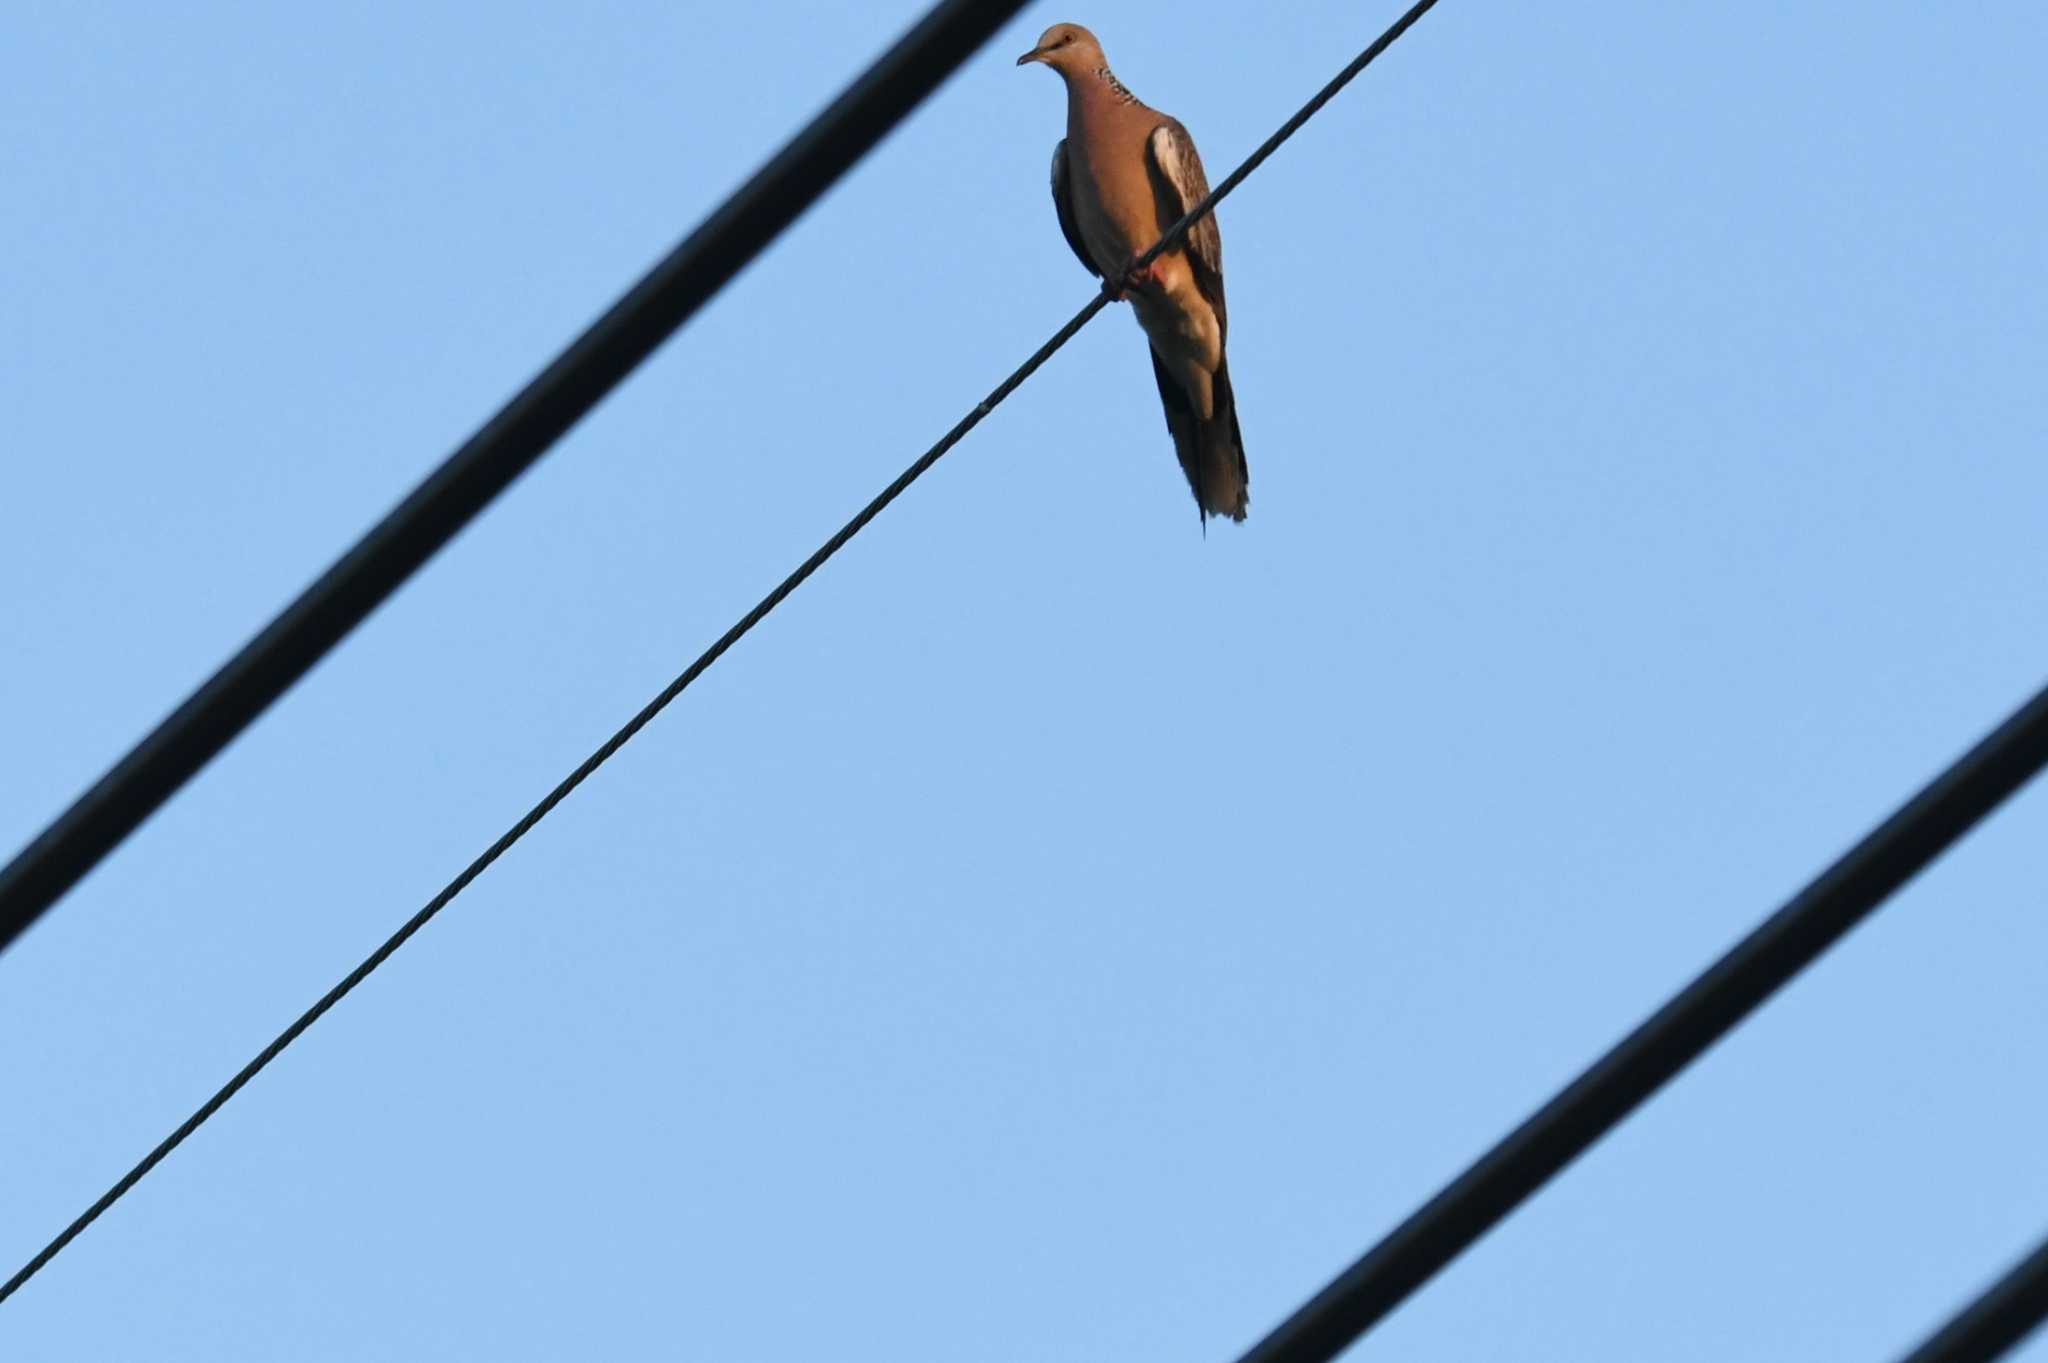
711 655
1675 1035
2010 1309
506 446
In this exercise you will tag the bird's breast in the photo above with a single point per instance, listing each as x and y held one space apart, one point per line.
1118 215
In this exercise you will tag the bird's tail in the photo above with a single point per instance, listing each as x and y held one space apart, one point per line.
1211 452
1225 485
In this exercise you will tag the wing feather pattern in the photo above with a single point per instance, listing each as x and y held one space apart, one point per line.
1179 184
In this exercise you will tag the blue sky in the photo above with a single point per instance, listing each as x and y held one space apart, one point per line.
1054 935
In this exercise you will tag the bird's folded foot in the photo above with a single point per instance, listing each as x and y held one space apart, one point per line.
1137 280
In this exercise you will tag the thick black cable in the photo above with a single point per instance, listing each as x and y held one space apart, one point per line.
1701 1014
2010 1309
695 669
505 447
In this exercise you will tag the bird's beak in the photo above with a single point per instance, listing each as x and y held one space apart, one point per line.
1036 54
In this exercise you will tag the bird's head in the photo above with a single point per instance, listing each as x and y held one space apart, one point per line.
1067 49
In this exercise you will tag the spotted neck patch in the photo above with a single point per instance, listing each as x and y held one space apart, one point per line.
1116 87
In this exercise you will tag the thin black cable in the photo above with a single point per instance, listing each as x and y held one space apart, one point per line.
502 449
1701 1014
695 669
2010 1309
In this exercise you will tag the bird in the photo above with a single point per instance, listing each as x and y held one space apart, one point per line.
1122 175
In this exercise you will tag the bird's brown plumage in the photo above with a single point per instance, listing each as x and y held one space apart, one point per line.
1124 174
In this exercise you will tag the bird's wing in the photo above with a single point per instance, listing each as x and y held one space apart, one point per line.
1063 204
1179 184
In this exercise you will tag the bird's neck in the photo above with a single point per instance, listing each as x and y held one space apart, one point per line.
1105 79
1093 92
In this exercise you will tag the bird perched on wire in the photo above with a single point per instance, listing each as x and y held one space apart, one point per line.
1123 174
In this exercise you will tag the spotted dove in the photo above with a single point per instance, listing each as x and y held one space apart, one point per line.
1123 174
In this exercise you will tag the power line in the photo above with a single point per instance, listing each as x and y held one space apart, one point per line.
2010 1309
502 449
1701 1014
709 656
